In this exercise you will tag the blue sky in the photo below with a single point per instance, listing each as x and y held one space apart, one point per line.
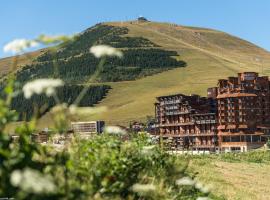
248 19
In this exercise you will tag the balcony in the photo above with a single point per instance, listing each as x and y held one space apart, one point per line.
176 112
171 107
209 121
176 124
170 102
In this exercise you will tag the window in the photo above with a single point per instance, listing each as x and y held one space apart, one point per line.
236 148
256 138
235 138
226 139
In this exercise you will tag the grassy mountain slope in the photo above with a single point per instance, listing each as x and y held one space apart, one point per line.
209 55
75 63
7 65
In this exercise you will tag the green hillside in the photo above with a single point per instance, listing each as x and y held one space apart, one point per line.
159 59
75 63
209 55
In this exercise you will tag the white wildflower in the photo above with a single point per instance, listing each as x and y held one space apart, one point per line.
50 92
39 86
148 149
114 130
143 188
47 39
30 180
185 181
16 177
19 45
154 139
104 50
201 187
203 198
73 109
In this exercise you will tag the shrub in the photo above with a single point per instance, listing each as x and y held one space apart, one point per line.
109 167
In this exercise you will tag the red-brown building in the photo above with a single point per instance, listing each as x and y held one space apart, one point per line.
243 111
189 120
235 116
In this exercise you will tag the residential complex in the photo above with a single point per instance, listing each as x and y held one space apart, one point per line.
189 120
85 128
243 111
234 116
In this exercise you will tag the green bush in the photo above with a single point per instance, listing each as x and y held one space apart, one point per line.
108 167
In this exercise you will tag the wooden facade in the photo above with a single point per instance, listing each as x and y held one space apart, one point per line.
189 120
235 116
243 111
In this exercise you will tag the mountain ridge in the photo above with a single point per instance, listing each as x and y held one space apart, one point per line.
209 54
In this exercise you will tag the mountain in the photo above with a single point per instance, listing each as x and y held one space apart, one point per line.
159 59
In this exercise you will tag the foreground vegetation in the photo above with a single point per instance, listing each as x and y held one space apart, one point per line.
107 166
113 165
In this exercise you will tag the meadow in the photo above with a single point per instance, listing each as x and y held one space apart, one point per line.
235 176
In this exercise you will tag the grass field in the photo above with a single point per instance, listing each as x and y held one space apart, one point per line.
233 180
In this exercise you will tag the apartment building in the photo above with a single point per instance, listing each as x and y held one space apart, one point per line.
189 120
86 128
243 111
235 116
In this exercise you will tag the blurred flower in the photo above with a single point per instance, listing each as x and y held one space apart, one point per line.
73 109
154 139
144 133
185 181
59 108
33 181
143 188
46 39
50 92
19 45
148 149
203 198
104 50
39 86
202 188
114 130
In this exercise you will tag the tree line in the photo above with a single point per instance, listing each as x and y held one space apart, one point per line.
40 104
